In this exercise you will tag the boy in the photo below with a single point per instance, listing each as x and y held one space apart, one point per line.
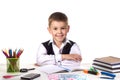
59 50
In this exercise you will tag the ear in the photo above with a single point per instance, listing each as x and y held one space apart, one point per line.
48 28
68 28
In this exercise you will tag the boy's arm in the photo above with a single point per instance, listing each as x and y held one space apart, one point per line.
43 57
75 57
75 54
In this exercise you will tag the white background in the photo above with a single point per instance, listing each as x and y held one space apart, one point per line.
94 25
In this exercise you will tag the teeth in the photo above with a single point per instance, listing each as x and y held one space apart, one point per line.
59 36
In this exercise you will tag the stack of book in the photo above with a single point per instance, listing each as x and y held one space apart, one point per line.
109 63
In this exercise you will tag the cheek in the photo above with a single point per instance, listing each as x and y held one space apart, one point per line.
65 31
52 33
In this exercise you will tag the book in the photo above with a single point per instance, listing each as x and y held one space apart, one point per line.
49 69
67 77
106 69
106 65
110 60
109 63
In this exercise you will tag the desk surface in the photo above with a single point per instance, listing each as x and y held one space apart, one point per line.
43 75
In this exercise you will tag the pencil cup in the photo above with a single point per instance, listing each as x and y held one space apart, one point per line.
13 65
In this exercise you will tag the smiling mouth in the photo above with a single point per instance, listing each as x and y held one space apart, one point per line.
59 36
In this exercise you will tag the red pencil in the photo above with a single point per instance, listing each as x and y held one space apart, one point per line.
19 52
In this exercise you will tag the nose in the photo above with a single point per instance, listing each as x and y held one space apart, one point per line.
59 31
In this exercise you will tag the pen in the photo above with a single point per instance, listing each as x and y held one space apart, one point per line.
14 54
26 70
91 72
5 53
64 68
10 53
108 74
19 52
93 69
9 76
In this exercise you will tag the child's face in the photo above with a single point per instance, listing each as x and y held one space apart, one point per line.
58 30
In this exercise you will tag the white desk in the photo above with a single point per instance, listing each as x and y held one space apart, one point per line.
44 76
4 72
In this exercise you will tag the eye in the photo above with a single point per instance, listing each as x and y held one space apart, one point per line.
55 28
63 28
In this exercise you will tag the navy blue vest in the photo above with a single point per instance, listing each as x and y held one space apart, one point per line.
66 48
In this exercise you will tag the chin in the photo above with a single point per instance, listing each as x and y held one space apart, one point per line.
60 40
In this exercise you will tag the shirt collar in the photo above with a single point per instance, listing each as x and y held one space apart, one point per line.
66 41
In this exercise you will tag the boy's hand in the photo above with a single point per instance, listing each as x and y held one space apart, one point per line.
75 57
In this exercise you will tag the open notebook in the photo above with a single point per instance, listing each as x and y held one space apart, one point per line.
55 68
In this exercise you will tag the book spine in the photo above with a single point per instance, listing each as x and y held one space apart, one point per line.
106 66
111 64
105 69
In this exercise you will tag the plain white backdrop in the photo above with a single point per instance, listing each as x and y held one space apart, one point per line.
94 25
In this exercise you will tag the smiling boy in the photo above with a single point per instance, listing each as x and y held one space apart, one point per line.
59 50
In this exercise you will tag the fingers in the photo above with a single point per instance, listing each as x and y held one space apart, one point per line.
75 57
67 57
